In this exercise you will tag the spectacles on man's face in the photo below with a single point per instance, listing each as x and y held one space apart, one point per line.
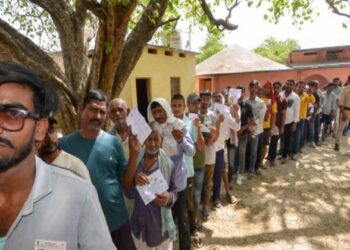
12 119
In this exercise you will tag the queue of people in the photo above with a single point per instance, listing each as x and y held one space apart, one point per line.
82 191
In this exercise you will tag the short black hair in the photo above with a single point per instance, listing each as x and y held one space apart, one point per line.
291 81
254 82
178 97
277 83
205 92
155 105
241 87
45 98
96 95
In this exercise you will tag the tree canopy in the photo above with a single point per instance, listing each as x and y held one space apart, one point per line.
276 50
100 41
212 45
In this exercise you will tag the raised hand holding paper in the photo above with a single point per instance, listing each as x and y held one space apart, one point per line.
138 124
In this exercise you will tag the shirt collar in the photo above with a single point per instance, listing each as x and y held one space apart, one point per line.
42 185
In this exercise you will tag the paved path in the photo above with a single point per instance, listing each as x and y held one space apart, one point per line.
301 205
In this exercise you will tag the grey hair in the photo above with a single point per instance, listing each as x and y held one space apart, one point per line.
155 127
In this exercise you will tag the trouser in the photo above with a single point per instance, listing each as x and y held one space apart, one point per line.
317 126
311 131
217 176
207 187
190 204
242 148
273 148
287 139
258 151
341 127
141 245
298 133
181 217
198 187
336 120
253 149
122 238
231 155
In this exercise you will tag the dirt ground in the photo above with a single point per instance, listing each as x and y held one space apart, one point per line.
302 205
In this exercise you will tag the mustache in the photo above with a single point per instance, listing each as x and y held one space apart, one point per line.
7 142
95 121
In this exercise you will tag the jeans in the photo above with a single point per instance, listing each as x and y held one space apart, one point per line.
253 146
298 134
273 148
180 214
242 148
217 176
231 159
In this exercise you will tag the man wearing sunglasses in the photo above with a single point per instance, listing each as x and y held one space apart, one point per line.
41 207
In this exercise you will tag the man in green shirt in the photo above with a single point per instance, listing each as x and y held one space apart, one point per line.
103 154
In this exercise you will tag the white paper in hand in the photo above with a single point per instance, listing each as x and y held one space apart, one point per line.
138 124
192 116
157 184
219 108
235 94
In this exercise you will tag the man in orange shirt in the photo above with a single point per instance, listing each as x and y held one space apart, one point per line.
305 100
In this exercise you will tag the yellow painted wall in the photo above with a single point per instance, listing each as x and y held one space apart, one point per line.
159 68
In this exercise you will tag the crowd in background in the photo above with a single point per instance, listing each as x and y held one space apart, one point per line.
196 142
201 147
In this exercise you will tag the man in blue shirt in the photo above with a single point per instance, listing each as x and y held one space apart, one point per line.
103 154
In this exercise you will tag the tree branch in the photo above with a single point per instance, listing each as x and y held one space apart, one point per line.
96 8
27 52
221 24
170 20
150 21
336 10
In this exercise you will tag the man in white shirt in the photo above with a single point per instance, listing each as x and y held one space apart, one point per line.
292 117
228 123
259 110
329 106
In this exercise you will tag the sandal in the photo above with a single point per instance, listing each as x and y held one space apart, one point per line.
196 242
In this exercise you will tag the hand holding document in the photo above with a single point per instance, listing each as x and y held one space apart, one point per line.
157 184
235 94
219 108
192 116
138 124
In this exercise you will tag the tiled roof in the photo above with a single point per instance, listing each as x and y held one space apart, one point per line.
235 59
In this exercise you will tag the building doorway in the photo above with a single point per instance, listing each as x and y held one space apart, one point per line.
143 95
174 86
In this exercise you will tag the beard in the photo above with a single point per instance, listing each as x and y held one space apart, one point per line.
49 148
152 152
6 162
